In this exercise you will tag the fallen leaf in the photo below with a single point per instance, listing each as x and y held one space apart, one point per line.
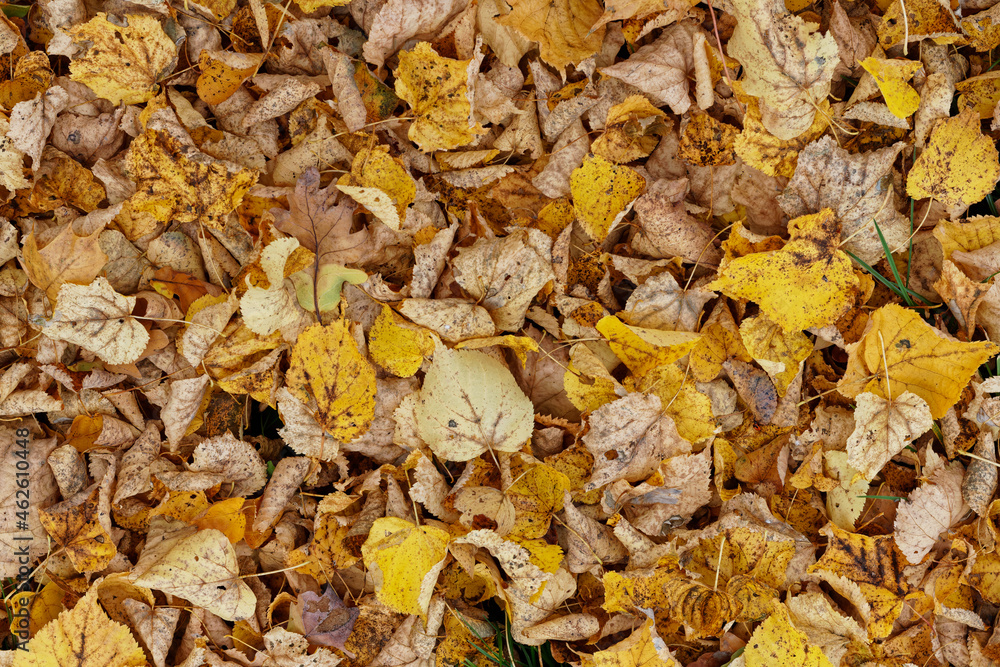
405 560
565 30
930 510
470 404
891 76
884 428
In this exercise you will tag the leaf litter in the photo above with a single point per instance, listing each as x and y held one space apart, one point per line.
436 332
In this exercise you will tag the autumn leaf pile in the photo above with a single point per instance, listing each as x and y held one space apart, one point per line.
439 333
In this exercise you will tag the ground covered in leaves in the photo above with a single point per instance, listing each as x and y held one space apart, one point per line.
439 333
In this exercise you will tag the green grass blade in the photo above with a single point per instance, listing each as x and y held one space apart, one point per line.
903 290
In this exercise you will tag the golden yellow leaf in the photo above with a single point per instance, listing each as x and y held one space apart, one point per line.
871 566
437 90
778 352
690 408
891 76
924 19
176 182
644 349
83 636
536 494
639 649
471 404
327 365
983 29
226 516
764 151
631 131
32 75
919 359
223 72
398 348
309 6
777 643
376 169
564 29
602 194
958 167
808 283
76 527
708 142
123 61
980 93
967 235
404 560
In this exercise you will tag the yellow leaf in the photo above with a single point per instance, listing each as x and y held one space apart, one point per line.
643 648
309 6
778 352
75 526
32 75
602 194
223 72
919 358
377 169
226 516
983 29
691 409
870 566
564 29
123 63
958 167
471 404
777 643
630 132
807 283
891 76
398 348
437 90
67 258
175 182
844 501
83 636
536 494
967 235
404 560
708 142
924 19
644 349
775 157
980 93
326 365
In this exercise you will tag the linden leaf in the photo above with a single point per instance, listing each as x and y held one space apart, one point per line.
437 89
809 282
470 404
776 642
959 165
83 636
891 76
536 494
787 65
644 349
884 428
933 508
565 30
177 182
404 561
67 258
324 291
603 193
869 572
75 525
925 19
643 648
197 565
327 365
857 187
123 63
99 320
398 348
377 170
919 359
